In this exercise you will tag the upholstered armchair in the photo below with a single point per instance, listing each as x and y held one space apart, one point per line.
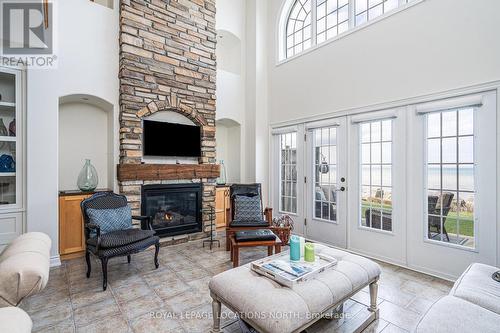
109 232
245 211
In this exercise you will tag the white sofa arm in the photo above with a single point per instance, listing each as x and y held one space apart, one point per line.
14 320
24 268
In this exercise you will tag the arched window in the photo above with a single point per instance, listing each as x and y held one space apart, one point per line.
298 28
306 23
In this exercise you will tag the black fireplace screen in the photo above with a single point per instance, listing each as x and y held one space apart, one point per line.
175 209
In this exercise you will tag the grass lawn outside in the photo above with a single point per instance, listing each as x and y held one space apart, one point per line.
466 225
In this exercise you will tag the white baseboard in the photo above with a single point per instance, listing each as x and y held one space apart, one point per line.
55 261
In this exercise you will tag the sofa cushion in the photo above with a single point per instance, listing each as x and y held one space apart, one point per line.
250 293
111 219
477 286
121 237
15 320
452 314
247 209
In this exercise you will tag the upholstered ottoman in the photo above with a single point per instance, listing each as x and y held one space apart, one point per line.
272 308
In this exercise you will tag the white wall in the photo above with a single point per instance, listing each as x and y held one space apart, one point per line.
83 134
87 53
228 137
231 79
433 46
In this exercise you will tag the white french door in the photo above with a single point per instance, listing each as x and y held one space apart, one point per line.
326 182
414 185
377 185
452 209
288 190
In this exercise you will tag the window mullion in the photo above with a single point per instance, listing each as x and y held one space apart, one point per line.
314 22
352 21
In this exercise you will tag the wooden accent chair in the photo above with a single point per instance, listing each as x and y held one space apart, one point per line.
232 225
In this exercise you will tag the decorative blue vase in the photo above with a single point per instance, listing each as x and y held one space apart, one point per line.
88 179
294 248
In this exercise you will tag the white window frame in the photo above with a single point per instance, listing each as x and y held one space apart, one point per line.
422 110
285 13
279 135
360 169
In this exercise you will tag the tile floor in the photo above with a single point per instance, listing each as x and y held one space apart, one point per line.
177 295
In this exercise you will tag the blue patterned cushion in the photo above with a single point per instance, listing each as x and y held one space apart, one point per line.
111 219
247 209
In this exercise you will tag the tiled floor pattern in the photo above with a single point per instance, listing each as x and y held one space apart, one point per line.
177 294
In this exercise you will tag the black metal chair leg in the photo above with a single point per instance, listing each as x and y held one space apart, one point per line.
157 249
128 258
104 262
87 258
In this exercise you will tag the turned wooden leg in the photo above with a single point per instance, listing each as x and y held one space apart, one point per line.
373 296
216 313
269 250
228 241
236 256
277 248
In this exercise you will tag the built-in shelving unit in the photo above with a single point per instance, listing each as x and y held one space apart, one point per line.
11 155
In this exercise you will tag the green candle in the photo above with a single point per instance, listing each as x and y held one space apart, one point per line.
309 252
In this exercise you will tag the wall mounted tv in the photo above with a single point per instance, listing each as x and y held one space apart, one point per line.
167 139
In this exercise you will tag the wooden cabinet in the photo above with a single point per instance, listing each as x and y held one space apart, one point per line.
71 236
221 203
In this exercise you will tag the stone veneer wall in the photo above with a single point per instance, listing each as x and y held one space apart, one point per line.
167 63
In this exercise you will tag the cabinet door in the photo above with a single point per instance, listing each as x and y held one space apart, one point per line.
11 226
11 140
221 203
71 236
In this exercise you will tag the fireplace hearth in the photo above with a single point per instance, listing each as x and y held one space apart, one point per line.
175 209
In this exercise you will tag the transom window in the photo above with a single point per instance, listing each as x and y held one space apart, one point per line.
450 177
325 173
298 30
376 175
306 23
288 173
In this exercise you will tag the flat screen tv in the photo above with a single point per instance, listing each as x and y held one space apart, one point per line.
167 139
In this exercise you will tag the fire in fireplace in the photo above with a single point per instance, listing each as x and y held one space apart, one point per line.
174 208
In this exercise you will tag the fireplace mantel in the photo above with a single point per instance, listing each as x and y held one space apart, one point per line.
127 172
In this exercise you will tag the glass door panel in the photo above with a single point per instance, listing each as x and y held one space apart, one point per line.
326 161
8 139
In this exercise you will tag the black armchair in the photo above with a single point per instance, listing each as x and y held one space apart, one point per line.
265 216
119 242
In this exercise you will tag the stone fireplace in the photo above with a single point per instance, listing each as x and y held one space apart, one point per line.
167 63
175 209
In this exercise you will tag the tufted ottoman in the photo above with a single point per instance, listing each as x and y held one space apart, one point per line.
272 308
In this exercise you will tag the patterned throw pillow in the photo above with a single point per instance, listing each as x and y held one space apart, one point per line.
111 219
247 209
